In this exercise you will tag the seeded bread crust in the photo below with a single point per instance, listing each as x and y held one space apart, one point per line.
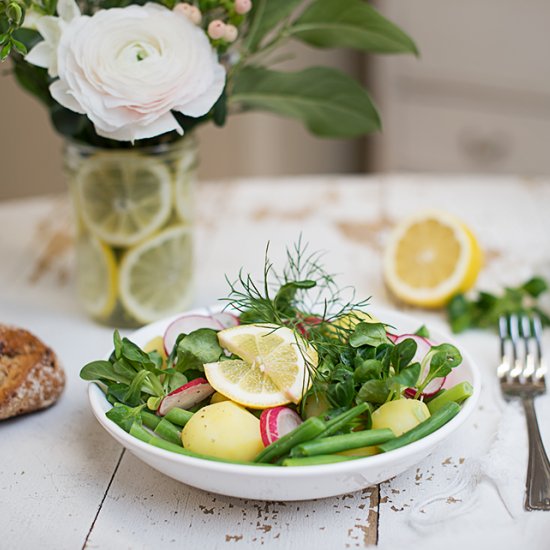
30 375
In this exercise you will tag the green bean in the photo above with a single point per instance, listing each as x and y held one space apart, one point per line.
137 430
431 424
167 446
304 432
178 416
337 443
150 420
314 460
338 422
168 431
457 393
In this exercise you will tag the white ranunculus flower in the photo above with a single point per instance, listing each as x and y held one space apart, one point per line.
128 68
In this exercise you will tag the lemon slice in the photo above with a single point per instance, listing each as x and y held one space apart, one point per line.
431 257
273 369
123 198
97 276
155 276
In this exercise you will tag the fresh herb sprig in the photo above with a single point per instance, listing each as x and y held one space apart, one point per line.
483 311
304 297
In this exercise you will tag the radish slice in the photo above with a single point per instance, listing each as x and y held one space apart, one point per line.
276 422
185 325
226 319
423 347
186 396
392 337
312 320
431 389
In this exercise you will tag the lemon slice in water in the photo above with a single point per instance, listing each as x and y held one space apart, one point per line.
123 198
97 280
155 276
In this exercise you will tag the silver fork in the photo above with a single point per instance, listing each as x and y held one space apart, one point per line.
521 373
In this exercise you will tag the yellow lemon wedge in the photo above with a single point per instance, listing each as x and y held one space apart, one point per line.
429 258
273 369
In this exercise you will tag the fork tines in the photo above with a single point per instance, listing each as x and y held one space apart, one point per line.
521 350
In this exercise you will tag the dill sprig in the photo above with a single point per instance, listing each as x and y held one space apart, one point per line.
303 297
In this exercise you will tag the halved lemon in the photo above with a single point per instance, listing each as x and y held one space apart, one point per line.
273 369
97 276
155 276
430 257
123 198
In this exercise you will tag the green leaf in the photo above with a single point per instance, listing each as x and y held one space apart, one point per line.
341 391
67 122
368 334
285 296
219 111
535 286
102 370
423 331
265 17
137 357
197 348
373 391
124 416
5 51
19 46
329 24
459 313
117 340
33 79
442 360
133 396
367 370
330 103
122 368
403 353
408 377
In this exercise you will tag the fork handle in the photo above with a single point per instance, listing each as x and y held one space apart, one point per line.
537 491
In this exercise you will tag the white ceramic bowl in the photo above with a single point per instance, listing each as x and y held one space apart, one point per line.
298 483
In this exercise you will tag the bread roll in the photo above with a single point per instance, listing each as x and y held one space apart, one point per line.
30 375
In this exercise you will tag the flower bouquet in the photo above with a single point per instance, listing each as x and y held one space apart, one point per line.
126 82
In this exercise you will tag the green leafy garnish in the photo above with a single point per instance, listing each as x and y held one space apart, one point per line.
484 311
196 349
370 334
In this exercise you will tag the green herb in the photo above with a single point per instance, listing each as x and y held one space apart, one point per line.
368 334
196 349
423 331
441 360
484 311
124 416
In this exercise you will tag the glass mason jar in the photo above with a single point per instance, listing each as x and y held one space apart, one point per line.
133 211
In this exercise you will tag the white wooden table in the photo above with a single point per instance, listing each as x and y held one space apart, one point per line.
64 483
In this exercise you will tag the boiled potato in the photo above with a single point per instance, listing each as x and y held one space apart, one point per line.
223 430
218 397
400 416
156 344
